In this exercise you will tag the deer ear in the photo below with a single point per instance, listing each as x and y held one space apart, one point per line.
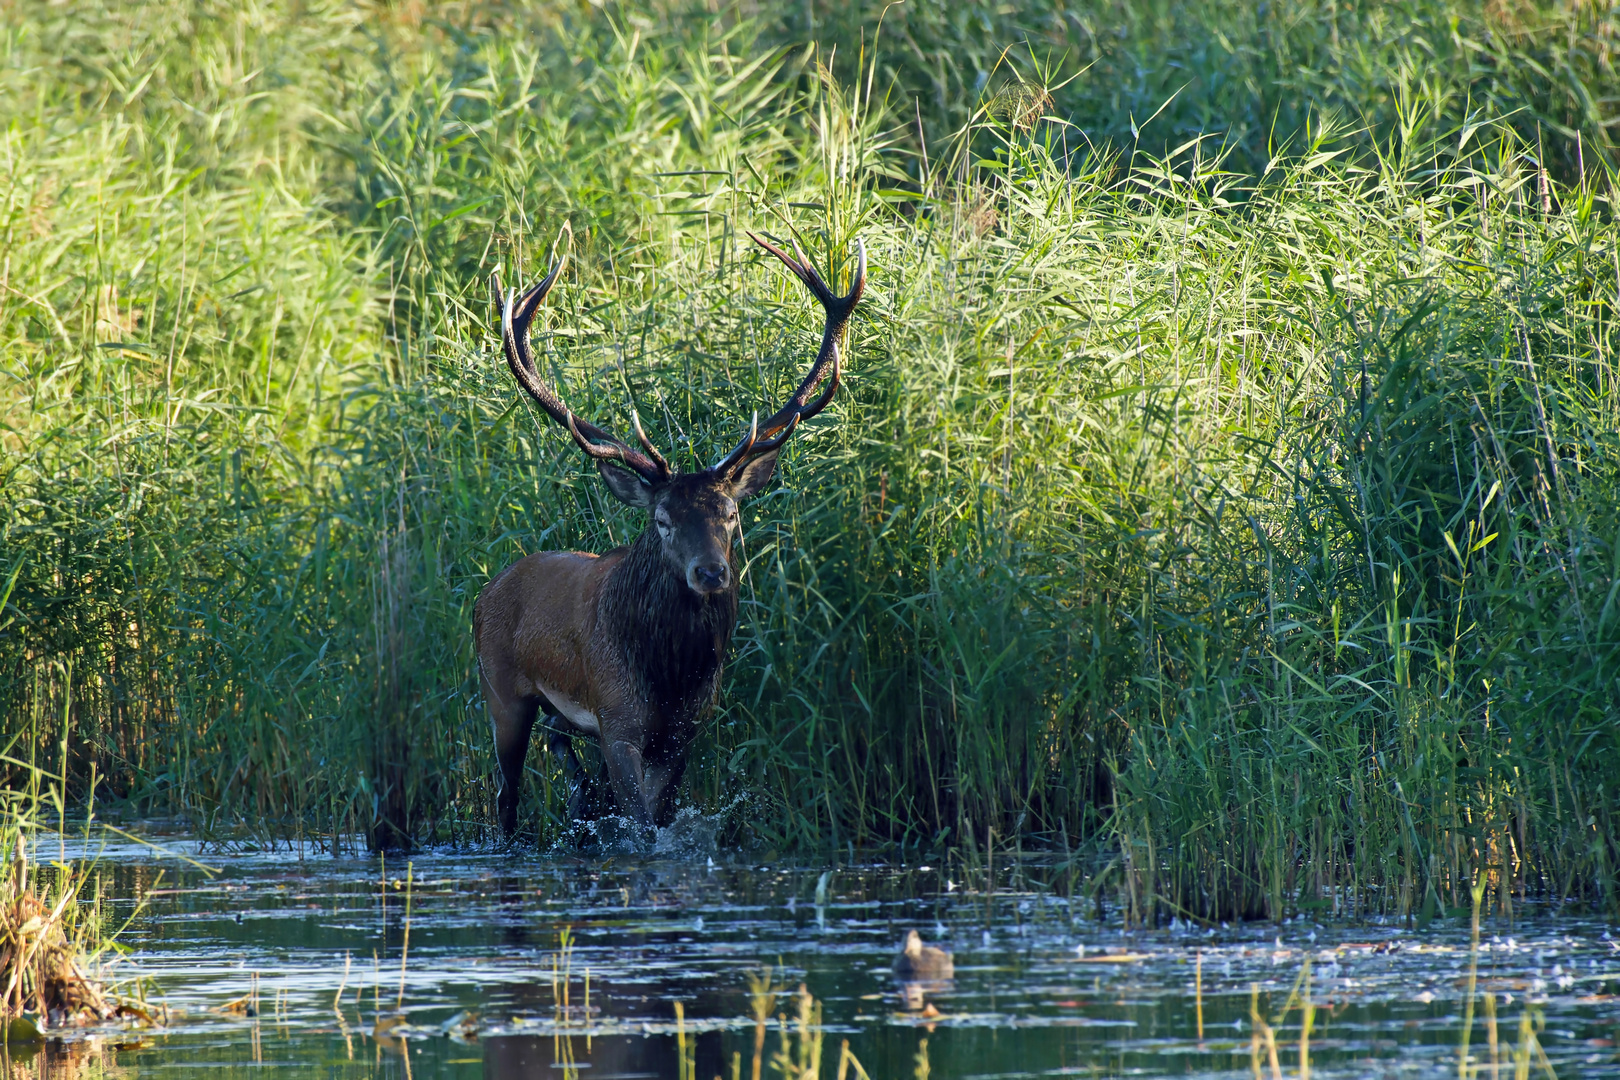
626 486
754 476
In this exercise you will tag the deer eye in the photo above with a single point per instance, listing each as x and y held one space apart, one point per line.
661 519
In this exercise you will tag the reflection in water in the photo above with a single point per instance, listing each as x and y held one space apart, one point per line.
563 967
56 1059
510 1057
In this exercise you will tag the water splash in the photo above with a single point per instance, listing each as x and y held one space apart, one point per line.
693 836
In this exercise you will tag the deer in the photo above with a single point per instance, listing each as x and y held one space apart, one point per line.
627 647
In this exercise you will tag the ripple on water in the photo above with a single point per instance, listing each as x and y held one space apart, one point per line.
520 965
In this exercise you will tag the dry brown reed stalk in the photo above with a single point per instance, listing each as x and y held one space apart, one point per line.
40 953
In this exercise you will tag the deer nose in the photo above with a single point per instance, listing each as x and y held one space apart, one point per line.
708 577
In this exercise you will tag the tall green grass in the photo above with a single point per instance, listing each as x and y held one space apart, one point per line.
1240 515
1152 74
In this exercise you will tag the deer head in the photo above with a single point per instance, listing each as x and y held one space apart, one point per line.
695 514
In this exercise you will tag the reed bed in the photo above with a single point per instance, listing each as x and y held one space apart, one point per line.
1239 522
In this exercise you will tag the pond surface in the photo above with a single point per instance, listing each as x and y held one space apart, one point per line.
525 966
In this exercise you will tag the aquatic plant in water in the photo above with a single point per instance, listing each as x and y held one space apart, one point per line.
42 947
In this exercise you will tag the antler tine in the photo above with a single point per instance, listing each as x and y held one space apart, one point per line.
765 446
753 446
517 311
799 407
647 444
740 452
801 267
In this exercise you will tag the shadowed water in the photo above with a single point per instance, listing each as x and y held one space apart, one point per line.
523 966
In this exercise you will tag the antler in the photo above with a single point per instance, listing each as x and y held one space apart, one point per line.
516 313
763 438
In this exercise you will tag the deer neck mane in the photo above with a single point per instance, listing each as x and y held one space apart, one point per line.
674 640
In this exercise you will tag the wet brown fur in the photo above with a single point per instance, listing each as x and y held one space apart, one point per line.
622 635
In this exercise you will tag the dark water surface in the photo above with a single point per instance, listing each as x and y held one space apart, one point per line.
1042 988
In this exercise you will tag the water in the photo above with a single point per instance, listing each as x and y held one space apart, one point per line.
1041 989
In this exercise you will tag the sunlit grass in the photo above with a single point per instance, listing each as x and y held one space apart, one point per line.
1248 534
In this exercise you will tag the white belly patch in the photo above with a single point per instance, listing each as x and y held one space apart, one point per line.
571 710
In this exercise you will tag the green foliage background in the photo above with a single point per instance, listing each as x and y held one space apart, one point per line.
1224 490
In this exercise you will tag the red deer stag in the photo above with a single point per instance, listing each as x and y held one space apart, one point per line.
627 647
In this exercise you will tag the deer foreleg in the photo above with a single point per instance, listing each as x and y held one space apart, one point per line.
662 782
629 782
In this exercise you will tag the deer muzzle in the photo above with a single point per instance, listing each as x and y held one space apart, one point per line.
707 577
